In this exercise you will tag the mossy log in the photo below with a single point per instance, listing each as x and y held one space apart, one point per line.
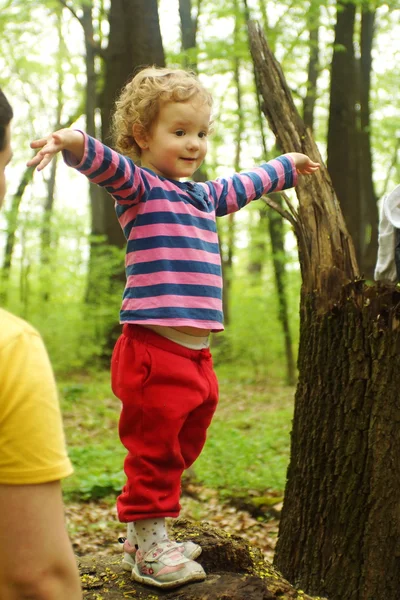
235 571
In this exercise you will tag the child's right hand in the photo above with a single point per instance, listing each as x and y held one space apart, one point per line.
63 139
304 165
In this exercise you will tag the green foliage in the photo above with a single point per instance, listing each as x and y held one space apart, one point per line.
91 415
247 449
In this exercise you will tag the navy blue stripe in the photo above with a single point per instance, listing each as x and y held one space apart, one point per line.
273 175
212 192
172 289
158 193
91 155
221 207
169 241
175 218
285 161
162 313
174 266
106 162
241 195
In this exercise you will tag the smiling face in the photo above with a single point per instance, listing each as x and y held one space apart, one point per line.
177 143
5 157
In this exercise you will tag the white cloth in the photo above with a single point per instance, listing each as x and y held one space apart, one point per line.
388 238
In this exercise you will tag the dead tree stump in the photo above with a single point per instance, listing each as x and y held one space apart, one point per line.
340 528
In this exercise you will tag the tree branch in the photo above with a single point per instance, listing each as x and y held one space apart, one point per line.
89 38
284 213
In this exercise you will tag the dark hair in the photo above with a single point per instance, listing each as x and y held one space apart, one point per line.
6 114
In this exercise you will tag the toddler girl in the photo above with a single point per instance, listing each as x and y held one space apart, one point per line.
161 366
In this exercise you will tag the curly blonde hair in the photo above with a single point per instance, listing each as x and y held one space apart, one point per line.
141 98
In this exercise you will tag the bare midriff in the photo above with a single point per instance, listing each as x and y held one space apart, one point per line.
195 331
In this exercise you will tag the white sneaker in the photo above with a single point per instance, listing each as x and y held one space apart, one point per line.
165 566
189 550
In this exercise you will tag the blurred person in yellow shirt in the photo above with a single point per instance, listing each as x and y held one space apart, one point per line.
36 557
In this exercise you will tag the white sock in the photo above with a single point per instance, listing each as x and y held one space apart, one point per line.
131 535
149 532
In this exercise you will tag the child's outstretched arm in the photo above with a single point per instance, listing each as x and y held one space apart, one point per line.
304 165
65 139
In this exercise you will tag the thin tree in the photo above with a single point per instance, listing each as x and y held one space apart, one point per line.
349 150
45 233
134 41
313 20
276 232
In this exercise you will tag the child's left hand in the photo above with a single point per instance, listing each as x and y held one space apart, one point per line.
304 165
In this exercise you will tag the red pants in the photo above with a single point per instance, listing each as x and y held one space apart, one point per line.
169 394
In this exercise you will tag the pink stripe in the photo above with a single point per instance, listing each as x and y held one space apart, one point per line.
231 199
280 171
112 169
173 277
172 254
174 229
129 215
172 301
180 208
98 159
116 183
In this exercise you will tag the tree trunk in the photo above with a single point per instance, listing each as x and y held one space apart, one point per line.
339 532
277 235
313 18
227 258
45 232
12 222
343 131
369 199
134 41
93 294
189 33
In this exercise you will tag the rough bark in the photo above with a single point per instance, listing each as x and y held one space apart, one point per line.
339 531
235 571
326 250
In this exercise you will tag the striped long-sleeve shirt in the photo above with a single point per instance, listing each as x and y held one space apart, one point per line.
173 264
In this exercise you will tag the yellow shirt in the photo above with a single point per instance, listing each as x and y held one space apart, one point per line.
32 444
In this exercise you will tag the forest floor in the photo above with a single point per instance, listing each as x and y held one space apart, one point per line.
94 527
